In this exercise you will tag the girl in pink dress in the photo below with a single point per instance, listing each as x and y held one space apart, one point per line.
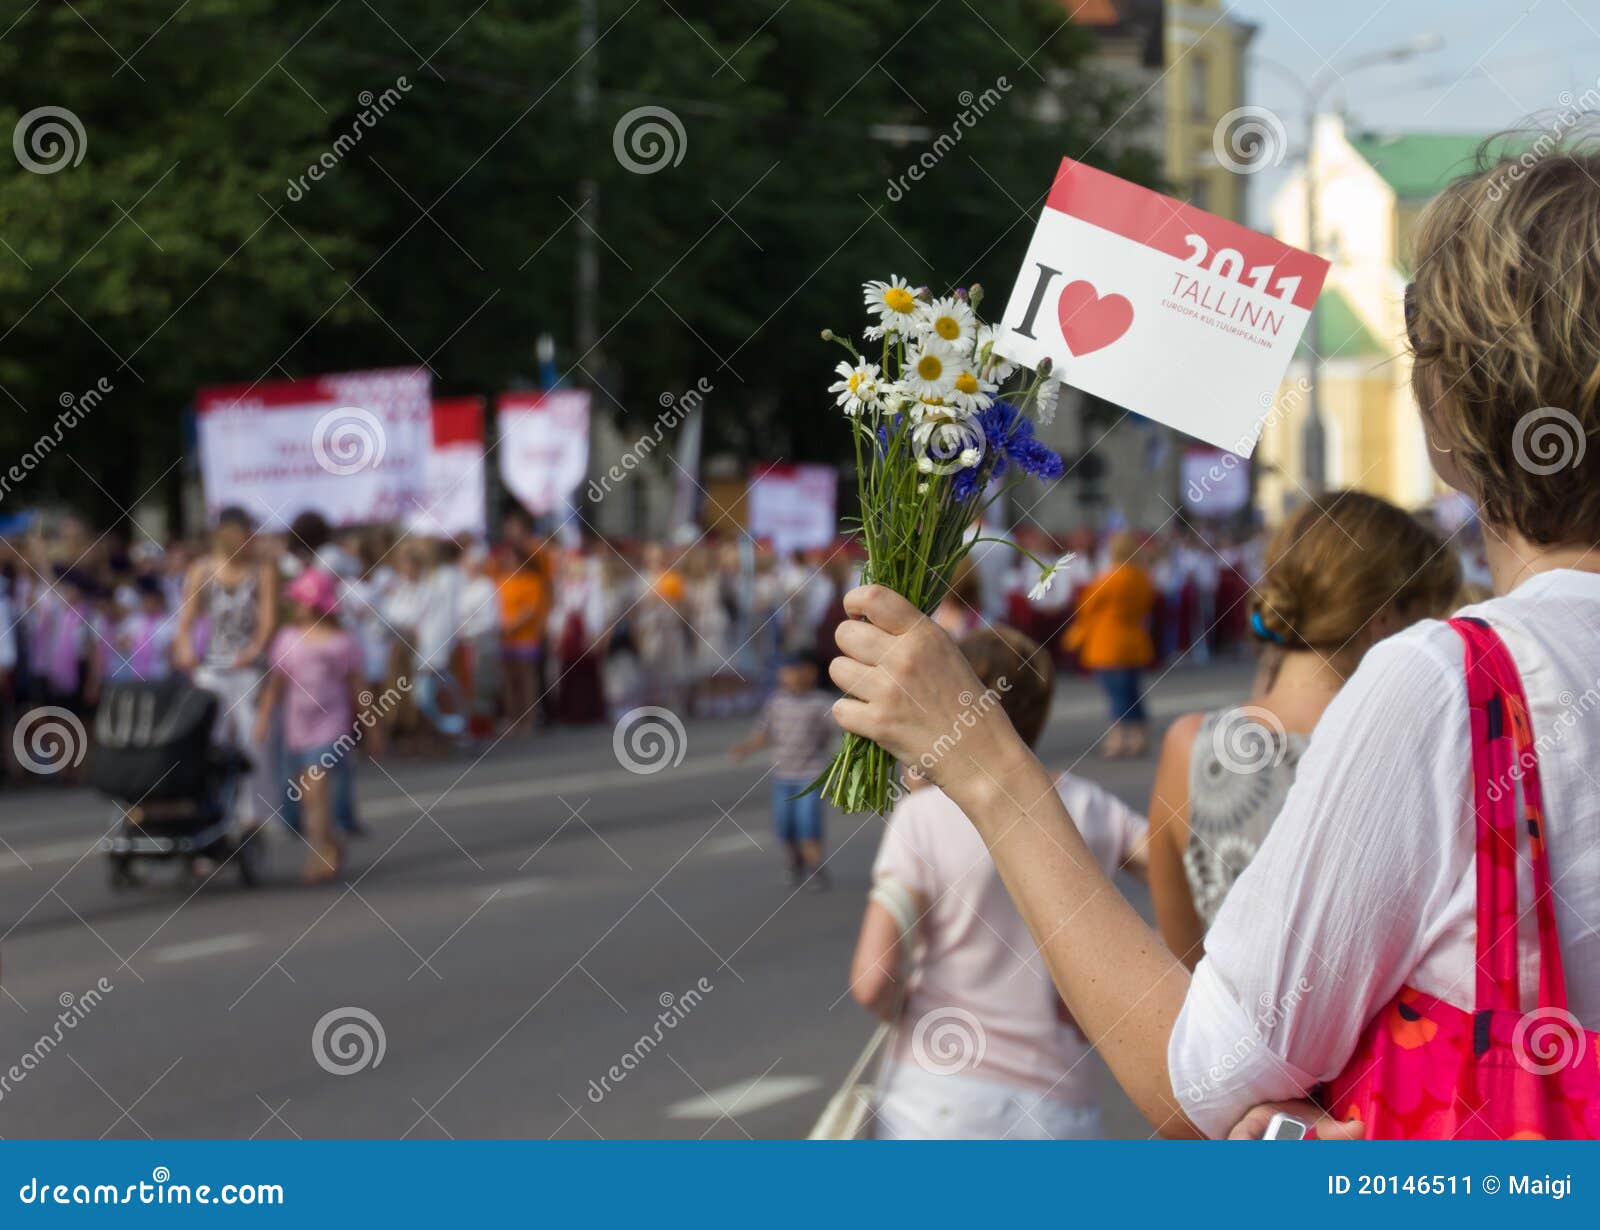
315 674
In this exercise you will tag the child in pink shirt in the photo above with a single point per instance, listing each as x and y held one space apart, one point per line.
982 1047
315 673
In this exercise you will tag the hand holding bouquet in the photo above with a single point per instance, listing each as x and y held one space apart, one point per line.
936 443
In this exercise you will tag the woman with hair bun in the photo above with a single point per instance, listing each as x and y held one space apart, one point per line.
1341 574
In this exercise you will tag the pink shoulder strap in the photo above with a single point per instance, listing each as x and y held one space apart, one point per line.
1505 762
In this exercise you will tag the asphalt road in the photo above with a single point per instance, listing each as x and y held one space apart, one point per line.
513 926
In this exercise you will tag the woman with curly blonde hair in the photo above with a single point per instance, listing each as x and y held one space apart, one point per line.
1372 948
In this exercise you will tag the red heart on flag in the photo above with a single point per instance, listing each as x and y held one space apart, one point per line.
1090 321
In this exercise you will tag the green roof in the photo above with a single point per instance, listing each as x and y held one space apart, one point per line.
1418 164
1341 333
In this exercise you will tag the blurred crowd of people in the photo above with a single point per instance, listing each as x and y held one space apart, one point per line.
516 633
520 632
315 639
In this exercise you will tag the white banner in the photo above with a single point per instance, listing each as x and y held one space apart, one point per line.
351 446
794 506
454 498
1215 482
544 446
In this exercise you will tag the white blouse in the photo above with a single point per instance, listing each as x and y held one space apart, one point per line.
1366 882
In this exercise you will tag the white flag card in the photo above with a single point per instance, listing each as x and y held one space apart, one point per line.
1172 312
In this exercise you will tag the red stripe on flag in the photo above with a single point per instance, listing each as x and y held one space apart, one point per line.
379 385
1163 223
457 420
266 394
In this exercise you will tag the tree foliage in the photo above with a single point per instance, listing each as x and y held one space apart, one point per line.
454 158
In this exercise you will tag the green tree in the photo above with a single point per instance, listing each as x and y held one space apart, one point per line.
453 161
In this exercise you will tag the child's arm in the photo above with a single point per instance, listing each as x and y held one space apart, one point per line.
267 700
188 611
896 907
876 978
757 739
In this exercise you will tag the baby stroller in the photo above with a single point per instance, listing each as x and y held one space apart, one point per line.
152 753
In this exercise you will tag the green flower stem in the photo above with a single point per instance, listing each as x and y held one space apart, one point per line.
915 540
1017 547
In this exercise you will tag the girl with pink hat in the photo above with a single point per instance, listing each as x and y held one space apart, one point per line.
315 675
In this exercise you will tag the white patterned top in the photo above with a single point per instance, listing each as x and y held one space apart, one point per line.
1240 772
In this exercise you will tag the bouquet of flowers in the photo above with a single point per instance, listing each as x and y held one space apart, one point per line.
936 443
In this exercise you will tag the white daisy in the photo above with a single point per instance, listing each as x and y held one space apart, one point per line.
989 363
857 387
896 398
1045 406
941 442
1047 577
930 371
972 392
950 320
931 409
894 303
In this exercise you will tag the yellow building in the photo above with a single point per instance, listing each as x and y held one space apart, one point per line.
1369 191
1206 48
1185 63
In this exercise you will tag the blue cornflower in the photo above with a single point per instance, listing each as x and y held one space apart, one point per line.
1008 441
1026 451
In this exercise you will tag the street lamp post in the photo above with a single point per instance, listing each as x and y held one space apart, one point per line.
1314 439
588 255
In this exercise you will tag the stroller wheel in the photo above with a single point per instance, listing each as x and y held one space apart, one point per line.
121 869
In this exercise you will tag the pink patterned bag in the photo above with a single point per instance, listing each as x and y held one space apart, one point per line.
1427 1070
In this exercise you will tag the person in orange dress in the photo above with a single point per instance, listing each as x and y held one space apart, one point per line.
1110 633
661 634
524 610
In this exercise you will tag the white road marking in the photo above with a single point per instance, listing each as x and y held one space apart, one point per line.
743 1097
512 889
212 947
523 790
56 852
